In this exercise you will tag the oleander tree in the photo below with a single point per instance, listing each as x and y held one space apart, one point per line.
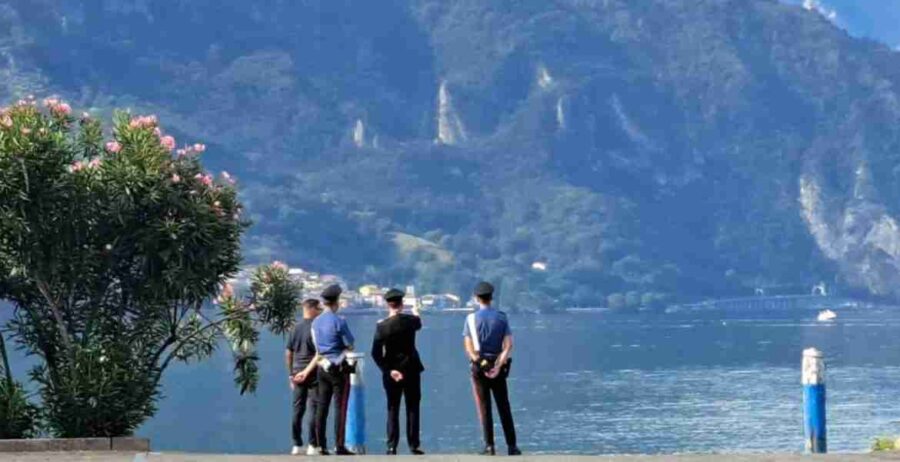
19 417
113 241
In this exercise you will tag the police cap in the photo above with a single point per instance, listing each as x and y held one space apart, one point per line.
332 292
483 289
394 294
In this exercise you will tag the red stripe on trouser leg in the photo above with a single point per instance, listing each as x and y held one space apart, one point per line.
478 406
343 412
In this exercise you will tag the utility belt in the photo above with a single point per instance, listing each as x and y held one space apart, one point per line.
485 364
338 366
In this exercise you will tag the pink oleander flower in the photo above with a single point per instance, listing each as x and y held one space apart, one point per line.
279 265
85 116
95 162
167 142
61 109
26 131
227 291
206 180
175 178
76 166
57 106
143 121
50 102
113 147
198 148
181 152
158 132
228 177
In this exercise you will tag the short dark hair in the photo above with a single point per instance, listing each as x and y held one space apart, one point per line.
395 301
485 298
331 300
310 303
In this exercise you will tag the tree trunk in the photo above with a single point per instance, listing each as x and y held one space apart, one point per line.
57 316
7 371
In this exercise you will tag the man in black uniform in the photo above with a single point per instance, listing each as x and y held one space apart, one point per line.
488 344
394 351
298 358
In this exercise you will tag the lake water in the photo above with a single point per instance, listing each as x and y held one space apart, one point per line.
589 384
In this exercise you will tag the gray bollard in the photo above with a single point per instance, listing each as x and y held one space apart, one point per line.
814 427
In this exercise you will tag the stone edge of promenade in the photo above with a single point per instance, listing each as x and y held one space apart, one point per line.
76 444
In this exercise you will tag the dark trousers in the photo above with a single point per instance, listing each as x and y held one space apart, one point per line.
410 389
303 393
334 386
483 388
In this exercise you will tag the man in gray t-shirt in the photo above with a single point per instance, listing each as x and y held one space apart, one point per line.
299 354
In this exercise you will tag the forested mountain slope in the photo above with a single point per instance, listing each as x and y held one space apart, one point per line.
687 148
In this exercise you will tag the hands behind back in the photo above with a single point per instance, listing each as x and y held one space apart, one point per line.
300 377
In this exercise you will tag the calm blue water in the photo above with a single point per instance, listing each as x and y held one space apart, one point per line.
590 383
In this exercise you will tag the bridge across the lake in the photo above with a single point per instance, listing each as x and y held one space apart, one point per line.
766 302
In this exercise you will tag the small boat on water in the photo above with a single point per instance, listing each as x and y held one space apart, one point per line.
826 316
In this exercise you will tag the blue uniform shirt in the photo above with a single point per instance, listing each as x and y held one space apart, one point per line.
332 335
491 327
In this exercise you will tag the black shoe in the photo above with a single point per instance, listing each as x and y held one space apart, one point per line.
342 451
391 451
488 451
417 452
514 451
324 452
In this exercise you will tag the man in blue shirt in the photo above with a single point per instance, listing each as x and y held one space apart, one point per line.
488 343
333 340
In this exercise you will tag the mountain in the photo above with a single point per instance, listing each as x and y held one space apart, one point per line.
643 151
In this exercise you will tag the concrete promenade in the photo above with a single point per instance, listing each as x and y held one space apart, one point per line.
182 457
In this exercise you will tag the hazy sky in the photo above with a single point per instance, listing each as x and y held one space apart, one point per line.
876 19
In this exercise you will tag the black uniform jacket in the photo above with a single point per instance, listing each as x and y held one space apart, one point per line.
394 347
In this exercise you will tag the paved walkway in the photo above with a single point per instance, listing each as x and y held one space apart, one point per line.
177 457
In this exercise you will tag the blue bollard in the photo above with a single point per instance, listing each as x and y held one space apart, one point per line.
356 407
814 402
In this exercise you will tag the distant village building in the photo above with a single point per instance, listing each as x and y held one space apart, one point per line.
372 295
365 297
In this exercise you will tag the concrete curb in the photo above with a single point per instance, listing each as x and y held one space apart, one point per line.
123 443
